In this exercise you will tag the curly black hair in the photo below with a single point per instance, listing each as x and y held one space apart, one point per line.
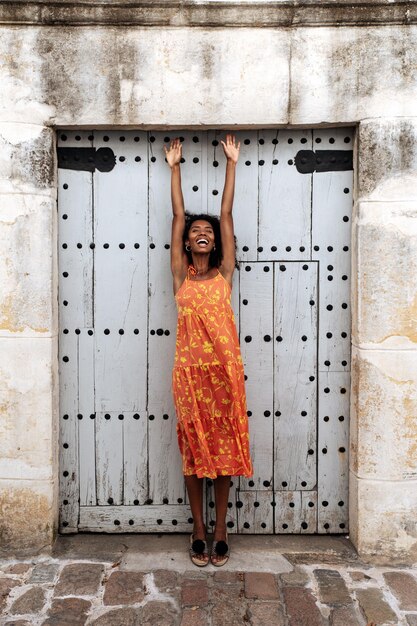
216 256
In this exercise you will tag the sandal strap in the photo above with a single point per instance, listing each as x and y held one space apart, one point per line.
223 548
198 547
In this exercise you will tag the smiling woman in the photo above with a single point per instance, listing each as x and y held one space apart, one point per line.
208 377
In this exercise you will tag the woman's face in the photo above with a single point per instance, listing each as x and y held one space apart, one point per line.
201 237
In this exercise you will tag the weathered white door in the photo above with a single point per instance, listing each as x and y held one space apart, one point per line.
120 468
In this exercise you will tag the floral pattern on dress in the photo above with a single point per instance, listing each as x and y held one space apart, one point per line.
208 383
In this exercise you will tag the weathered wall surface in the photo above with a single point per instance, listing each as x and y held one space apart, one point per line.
224 77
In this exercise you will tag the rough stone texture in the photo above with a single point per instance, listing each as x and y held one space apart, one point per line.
297 578
79 579
265 614
18 622
360 576
194 617
44 573
156 612
411 620
386 538
261 586
195 13
194 592
230 613
388 155
346 616
374 607
18 568
121 617
124 588
386 303
404 588
301 607
6 585
332 587
31 601
67 612
165 580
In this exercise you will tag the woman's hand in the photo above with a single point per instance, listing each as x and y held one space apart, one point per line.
231 150
174 153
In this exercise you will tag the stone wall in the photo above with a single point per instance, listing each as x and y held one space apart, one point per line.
88 71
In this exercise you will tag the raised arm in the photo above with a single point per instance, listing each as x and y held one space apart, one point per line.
231 151
179 260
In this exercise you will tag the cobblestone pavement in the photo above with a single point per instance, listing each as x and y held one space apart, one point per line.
75 587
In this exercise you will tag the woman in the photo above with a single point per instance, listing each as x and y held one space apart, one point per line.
208 379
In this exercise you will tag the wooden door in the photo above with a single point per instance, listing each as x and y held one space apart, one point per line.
120 467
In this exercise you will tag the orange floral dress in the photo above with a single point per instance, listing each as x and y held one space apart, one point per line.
208 382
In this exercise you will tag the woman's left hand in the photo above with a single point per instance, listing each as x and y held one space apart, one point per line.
231 150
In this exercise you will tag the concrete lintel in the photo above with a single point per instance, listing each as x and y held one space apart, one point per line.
209 14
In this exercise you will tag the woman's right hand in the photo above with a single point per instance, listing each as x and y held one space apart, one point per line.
174 153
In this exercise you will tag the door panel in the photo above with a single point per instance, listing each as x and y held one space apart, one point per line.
120 467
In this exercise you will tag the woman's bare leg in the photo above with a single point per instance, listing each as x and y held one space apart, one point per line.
195 496
221 491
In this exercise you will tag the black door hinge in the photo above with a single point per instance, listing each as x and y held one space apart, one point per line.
86 159
308 161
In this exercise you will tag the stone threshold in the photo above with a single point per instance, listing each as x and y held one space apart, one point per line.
206 13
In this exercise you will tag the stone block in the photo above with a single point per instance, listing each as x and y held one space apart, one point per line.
230 613
92 95
6 585
297 578
27 425
335 78
28 271
28 513
31 601
18 569
266 614
119 617
387 163
124 588
411 619
44 573
383 428
375 608
194 617
382 528
301 607
346 616
79 579
404 588
165 580
261 586
385 275
155 612
67 612
27 159
194 592
332 587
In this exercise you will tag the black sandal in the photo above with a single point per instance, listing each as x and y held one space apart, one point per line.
220 548
198 547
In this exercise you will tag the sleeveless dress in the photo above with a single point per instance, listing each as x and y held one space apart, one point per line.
208 382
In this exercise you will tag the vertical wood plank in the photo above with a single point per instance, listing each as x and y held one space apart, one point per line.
333 452
255 512
166 483
331 237
135 458
109 457
245 205
256 339
120 286
75 314
284 196
295 366
86 423
295 512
